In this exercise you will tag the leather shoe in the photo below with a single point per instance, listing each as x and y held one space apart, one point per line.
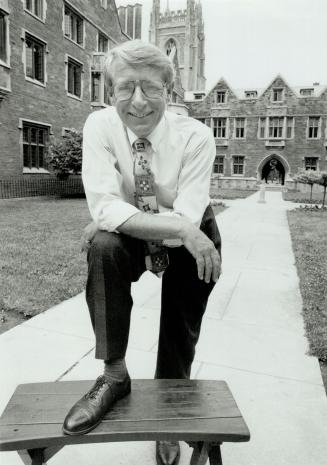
167 452
88 412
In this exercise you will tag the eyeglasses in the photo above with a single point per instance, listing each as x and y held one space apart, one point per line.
151 89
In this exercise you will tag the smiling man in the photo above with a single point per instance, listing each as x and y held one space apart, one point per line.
146 174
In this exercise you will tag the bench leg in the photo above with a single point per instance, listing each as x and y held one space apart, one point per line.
32 456
204 450
215 455
200 453
38 456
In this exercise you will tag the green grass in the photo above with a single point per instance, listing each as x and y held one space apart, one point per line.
230 194
303 197
309 238
41 263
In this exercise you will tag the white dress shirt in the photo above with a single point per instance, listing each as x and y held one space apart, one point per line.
184 151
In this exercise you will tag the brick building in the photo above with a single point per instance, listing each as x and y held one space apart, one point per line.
264 134
130 17
51 77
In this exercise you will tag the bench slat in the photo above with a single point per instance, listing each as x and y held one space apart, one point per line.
156 409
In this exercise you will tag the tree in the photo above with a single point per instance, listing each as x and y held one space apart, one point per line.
310 177
65 154
323 182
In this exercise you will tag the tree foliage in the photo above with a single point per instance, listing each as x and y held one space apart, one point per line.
310 177
65 154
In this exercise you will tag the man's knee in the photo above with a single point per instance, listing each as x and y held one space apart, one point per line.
107 244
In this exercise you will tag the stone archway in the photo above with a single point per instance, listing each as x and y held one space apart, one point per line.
273 169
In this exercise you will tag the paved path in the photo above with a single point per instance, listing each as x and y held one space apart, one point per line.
252 336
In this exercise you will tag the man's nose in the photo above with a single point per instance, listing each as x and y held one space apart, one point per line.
138 97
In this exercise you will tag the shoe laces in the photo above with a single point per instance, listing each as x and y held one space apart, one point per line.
94 391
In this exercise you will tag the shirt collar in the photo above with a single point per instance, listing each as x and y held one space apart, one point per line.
155 136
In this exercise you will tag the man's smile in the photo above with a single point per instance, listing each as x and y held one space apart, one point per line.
140 115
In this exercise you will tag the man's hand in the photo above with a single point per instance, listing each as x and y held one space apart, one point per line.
87 236
203 250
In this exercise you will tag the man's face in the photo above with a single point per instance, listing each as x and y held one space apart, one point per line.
140 113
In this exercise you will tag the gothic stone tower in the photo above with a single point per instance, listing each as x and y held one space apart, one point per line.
184 31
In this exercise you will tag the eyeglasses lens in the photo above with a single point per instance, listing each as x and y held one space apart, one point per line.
151 89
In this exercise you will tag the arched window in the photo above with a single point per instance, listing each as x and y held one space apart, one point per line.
170 45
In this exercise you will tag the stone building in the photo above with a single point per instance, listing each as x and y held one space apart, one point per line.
130 17
264 134
51 76
183 32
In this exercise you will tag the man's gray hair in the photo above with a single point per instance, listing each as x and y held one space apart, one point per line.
136 53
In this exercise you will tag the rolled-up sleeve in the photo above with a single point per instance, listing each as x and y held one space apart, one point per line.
101 178
194 179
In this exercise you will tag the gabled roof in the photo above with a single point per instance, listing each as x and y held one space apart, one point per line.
318 89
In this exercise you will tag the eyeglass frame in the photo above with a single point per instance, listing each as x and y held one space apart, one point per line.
139 82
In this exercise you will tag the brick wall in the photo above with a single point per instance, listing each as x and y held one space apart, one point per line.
49 104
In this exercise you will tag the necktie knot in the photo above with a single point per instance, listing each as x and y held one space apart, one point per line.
142 145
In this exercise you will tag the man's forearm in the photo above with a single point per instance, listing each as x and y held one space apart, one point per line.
154 227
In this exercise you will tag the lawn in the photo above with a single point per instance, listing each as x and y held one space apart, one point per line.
308 231
41 263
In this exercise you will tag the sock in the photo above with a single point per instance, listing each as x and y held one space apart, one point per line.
115 370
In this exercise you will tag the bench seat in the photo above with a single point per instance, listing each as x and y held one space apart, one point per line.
200 412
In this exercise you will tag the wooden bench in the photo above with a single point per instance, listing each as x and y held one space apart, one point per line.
201 413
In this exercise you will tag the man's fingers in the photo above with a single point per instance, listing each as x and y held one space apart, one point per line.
200 265
216 268
208 269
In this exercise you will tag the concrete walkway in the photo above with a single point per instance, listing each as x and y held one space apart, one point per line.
252 336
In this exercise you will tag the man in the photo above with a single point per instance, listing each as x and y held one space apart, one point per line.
146 174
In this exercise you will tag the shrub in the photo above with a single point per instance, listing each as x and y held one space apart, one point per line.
65 154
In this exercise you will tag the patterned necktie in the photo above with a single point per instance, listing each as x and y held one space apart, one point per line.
156 259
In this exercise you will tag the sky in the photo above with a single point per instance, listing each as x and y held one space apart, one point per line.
249 42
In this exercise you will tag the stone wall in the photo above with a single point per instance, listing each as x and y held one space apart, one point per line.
290 152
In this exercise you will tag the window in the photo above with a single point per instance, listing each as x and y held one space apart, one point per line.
277 95
289 127
3 37
276 124
35 7
96 87
238 165
218 166
306 92
198 96
34 58
99 91
219 128
251 93
103 43
262 128
239 128
35 138
313 127
221 96
311 163
73 26
74 78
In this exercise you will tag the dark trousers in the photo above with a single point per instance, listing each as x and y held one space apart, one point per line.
117 260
